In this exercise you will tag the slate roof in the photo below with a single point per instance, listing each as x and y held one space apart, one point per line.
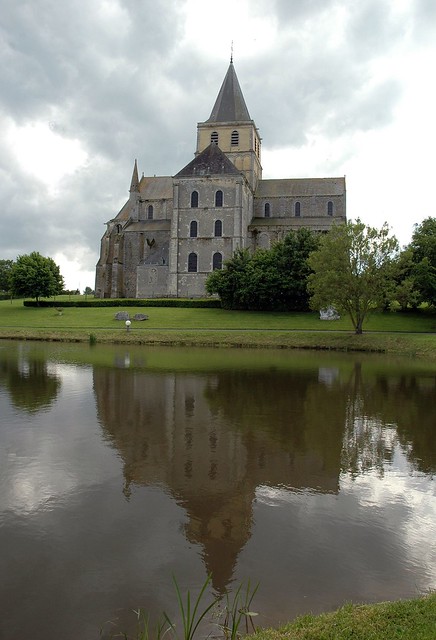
149 225
300 187
156 187
230 104
211 161
150 188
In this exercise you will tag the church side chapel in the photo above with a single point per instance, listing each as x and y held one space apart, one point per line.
174 230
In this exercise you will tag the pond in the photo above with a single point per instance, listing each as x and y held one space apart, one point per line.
309 473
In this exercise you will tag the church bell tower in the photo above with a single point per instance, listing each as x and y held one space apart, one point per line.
231 128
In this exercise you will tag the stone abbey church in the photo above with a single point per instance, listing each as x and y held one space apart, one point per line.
174 230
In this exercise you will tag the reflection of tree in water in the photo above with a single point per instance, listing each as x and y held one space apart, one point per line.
31 386
387 411
213 439
302 418
409 402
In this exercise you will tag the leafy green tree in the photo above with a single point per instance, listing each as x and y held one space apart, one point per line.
423 248
270 279
423 242
5 269
34 276
353 270
291 261
407 293
230 282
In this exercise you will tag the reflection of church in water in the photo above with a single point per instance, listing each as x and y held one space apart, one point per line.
212 440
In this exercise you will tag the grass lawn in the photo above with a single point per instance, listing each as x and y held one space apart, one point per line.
403 620
405 334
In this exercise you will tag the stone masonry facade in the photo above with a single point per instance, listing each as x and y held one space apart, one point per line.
173 231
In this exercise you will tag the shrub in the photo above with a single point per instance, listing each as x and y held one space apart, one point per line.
200 303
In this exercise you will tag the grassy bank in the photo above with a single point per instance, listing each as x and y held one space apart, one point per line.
403 620
394 333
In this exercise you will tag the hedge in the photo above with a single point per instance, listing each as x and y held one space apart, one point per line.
7 296
200 303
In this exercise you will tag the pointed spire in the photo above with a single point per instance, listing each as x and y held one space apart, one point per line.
230 104
134 185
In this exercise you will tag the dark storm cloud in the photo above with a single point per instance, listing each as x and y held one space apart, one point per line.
92 76
120 77
53 52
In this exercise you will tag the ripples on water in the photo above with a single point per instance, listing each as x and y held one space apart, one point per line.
309 473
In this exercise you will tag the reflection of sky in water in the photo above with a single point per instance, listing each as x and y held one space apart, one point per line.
93 552
390 519
401 501
43 459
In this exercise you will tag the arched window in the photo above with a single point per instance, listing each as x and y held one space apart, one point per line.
219 199
192 262
234 139
119 227
193 229
217 261
150 212
218 230
267 210
330 208
297 209
214 137
194 199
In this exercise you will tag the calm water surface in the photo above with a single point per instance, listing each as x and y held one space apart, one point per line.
312 474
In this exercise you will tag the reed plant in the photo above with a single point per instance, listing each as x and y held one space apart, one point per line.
192 612
236 617
230 613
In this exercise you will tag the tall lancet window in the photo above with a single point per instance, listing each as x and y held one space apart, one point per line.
150 212
214 137
217 261
192 262
330 208
193 229
194 199
234 140
219 199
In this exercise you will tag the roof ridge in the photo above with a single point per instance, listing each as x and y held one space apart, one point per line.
211 161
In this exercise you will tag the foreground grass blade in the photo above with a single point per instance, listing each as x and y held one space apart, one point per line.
192 614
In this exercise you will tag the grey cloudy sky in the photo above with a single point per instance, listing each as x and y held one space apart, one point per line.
336 87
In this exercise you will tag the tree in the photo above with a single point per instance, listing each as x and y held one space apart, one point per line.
423 248
353 270
407 293
35 276
270 279
5 269
229 283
